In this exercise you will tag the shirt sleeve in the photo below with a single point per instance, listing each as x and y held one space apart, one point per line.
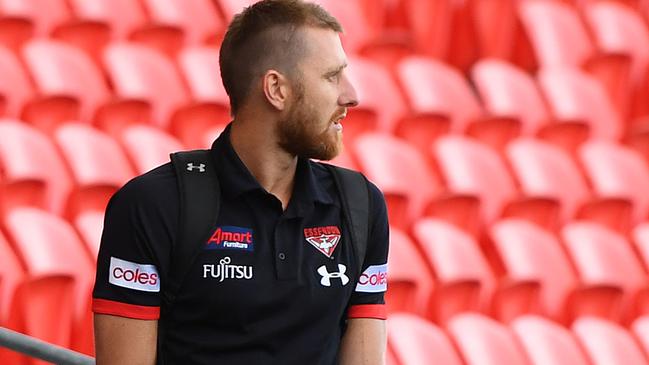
368 300
136 236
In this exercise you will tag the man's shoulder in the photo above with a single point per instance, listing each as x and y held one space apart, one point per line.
156 186
323 174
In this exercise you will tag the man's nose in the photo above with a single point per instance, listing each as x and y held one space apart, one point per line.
348 97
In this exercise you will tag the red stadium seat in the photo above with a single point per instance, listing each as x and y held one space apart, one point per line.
449 100
607 343
530 255
577 97
472 168
70 85
413 340
640 237
547 343
409 278
557 35
640 328
196 21
22 19
121 16
54 302
148 147
400 171
15 88
618 172
613 283
483 341
11 275
200 68
464 281
510 92
381 104
619 29
544 170
33 171
99 167
90 225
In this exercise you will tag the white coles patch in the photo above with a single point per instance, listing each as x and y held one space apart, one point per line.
134 276
374 279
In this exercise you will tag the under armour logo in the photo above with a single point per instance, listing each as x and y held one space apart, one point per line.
191 167
327 276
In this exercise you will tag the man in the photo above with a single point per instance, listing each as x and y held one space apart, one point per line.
272 284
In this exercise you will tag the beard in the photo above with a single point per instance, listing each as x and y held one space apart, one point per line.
301 133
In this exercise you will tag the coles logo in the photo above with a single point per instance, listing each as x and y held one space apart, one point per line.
231 237
325 239
133 276
374 279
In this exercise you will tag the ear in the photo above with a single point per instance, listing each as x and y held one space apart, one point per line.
276 88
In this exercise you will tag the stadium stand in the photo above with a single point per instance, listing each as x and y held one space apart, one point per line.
15 88
607 343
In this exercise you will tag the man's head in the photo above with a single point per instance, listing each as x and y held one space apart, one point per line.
286 55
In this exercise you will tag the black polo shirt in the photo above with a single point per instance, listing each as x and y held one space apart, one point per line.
271 286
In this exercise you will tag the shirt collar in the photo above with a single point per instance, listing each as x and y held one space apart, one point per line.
235 179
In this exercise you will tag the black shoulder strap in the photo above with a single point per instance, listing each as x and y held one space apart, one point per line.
200 198
354 195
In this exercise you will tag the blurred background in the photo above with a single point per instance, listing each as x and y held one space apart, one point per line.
510 138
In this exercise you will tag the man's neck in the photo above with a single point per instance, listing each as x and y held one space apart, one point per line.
256 145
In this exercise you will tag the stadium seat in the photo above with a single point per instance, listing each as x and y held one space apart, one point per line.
15 87
99 167
197 21
483 341
90 225
121 16
143 78
556 33
544 170
400 171
529 255
381 104
510 92
640 329
618 172
148 147
472 168
32 171
68 82
409 277
495 27
607 343
23 19
464 281
11 275
575 96
619 29
413 340
547 343
54 303
229 8
640 237
200 67
613 283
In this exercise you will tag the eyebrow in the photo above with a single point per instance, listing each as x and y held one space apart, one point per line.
336 70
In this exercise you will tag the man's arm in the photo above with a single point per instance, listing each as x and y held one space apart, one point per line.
364 342
120 340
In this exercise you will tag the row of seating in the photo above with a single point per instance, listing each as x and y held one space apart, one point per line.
519 268
529 340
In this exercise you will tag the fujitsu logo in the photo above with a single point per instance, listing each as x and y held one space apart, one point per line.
224 271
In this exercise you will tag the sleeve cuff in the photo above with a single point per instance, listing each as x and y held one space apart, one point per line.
103 306
377 311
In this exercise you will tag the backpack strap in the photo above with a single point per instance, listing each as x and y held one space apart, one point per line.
200 198
354 196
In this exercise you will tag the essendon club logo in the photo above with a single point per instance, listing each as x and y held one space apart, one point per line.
325 239
231 237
